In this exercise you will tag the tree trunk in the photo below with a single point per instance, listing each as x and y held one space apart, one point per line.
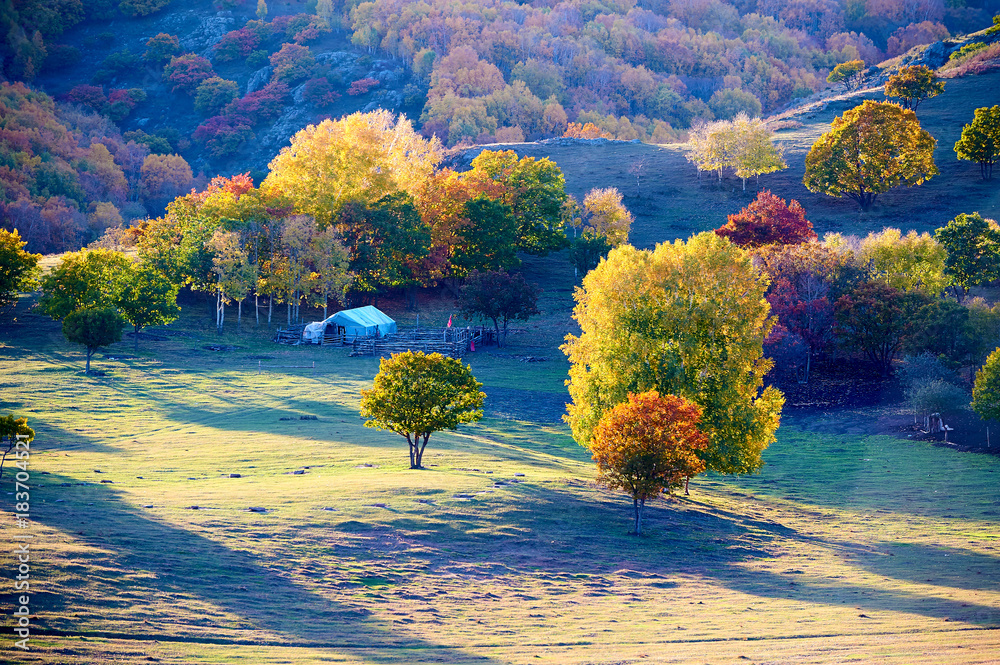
638 504
687 482
90 352
420 452
136 332
239 316
256 308
270 308
413 452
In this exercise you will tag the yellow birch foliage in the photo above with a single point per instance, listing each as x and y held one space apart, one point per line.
688 319
363 157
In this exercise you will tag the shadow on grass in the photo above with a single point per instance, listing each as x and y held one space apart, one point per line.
556 533
183 565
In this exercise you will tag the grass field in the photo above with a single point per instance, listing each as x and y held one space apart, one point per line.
847 548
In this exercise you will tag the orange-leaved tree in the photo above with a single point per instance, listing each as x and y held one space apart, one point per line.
648 445
768 220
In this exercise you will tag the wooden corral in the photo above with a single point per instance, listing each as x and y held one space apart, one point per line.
452 342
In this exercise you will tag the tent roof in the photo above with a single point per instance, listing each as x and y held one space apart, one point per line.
362 316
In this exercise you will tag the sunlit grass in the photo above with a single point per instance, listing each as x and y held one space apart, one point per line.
846 547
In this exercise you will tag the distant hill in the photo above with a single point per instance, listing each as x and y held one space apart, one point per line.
670 201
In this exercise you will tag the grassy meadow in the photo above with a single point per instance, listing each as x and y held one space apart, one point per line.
846 548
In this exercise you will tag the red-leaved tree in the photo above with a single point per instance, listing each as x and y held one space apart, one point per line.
804 309
186 72
768 220
648 445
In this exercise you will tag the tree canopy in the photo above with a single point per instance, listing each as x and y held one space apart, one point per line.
84 279
648 445
360 157
973 246
19 269
850 73
688 319
913 85
93 328
980 140
415 395
986 391
500 297
744 144
869 150
768 220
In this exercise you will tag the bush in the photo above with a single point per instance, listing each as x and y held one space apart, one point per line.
922 368
156 144
224 135
186 72
142 7
361 86
161 48
320 92
292 62
260 106
122 63
237 44
257 59
214 93
90 96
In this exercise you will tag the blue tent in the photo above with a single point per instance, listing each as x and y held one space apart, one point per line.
352 323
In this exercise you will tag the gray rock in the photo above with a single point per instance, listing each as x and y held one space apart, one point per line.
259 79
936 54
235 475
298 472
208 33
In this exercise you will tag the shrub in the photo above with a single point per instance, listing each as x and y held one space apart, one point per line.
260 106
292 62
142 7
257 59
361 86
90 96
121 63
161 48
223 135
575 130
186 72
237 44
214 93
156 144
320 92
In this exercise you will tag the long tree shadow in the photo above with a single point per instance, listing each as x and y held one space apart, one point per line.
558 533
233 596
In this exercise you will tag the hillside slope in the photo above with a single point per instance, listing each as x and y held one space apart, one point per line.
670 201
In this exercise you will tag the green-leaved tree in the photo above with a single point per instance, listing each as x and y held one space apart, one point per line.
93 328
980 140
416 394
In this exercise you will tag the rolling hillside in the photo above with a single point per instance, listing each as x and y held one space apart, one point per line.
670 201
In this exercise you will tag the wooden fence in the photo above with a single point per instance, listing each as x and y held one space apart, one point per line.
453 342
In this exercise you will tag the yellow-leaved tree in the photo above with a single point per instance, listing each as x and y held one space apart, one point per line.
360 157
687 319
